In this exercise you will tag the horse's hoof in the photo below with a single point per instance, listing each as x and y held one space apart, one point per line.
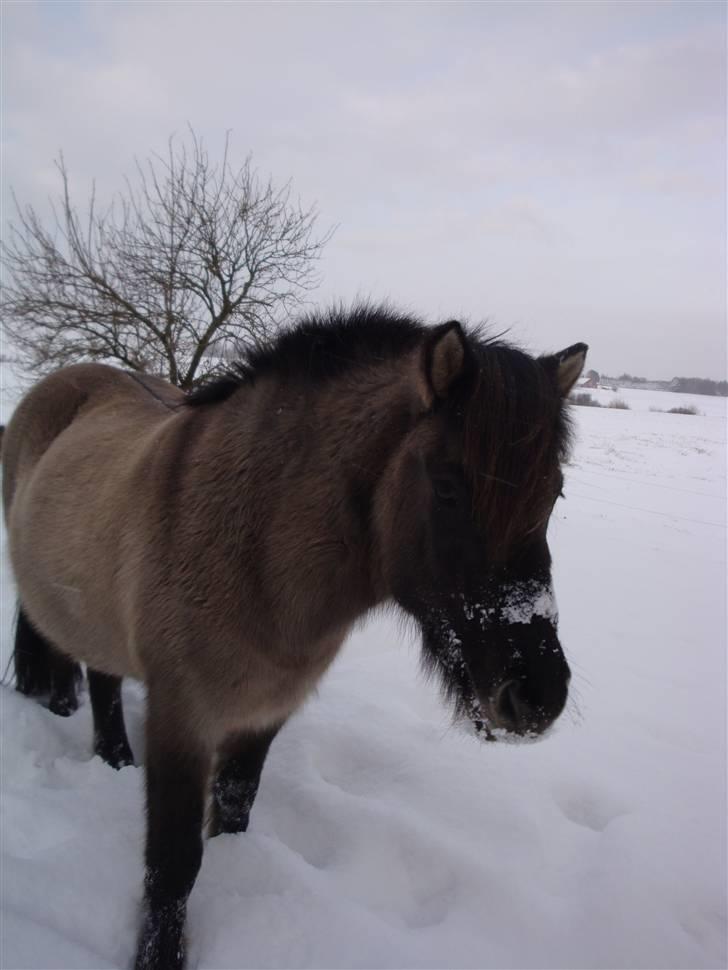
229 826
117 757
63 706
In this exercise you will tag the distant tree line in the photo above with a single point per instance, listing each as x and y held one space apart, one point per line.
629 379
682 385
699 385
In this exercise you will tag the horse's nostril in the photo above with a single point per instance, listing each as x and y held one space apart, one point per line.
507 704
528 705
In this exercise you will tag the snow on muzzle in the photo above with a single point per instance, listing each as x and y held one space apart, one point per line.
505 653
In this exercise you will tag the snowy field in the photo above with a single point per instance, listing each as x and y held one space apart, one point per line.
384 838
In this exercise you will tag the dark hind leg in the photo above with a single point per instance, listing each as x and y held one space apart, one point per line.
240 762
41 669
66 674
177 772
110 740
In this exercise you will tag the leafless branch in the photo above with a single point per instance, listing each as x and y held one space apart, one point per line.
190 259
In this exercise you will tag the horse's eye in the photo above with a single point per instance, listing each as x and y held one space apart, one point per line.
446 490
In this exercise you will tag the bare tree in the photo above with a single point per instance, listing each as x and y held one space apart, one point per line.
191 259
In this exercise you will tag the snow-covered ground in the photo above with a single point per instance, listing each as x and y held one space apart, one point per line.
384 838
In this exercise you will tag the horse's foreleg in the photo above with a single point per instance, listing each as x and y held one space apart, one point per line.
110 740
177 771
240 762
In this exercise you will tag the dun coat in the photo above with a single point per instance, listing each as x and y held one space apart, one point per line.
219 547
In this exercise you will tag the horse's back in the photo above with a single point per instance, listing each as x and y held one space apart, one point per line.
68 451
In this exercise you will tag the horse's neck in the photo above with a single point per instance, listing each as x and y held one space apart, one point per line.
295 472
315 436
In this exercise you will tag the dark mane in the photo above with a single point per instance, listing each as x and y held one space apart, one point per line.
516 427
320 346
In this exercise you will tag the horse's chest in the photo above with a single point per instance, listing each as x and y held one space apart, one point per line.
261 688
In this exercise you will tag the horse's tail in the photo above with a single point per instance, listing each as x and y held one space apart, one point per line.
31 658
41 669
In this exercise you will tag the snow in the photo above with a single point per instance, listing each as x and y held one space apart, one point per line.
384 837
523 601
657 401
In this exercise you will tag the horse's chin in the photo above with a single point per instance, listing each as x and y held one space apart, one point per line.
481 726
476 718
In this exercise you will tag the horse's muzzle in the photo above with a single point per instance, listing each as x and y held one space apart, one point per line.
523 707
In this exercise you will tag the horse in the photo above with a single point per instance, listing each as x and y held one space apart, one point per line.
219 546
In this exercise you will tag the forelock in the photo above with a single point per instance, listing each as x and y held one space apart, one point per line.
516 432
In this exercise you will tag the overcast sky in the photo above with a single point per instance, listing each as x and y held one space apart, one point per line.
558 169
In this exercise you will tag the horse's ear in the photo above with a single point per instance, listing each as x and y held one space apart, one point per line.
445 357
567 366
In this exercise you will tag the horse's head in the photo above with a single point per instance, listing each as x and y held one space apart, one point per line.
461 516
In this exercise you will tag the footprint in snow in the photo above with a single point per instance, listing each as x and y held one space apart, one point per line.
591 810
